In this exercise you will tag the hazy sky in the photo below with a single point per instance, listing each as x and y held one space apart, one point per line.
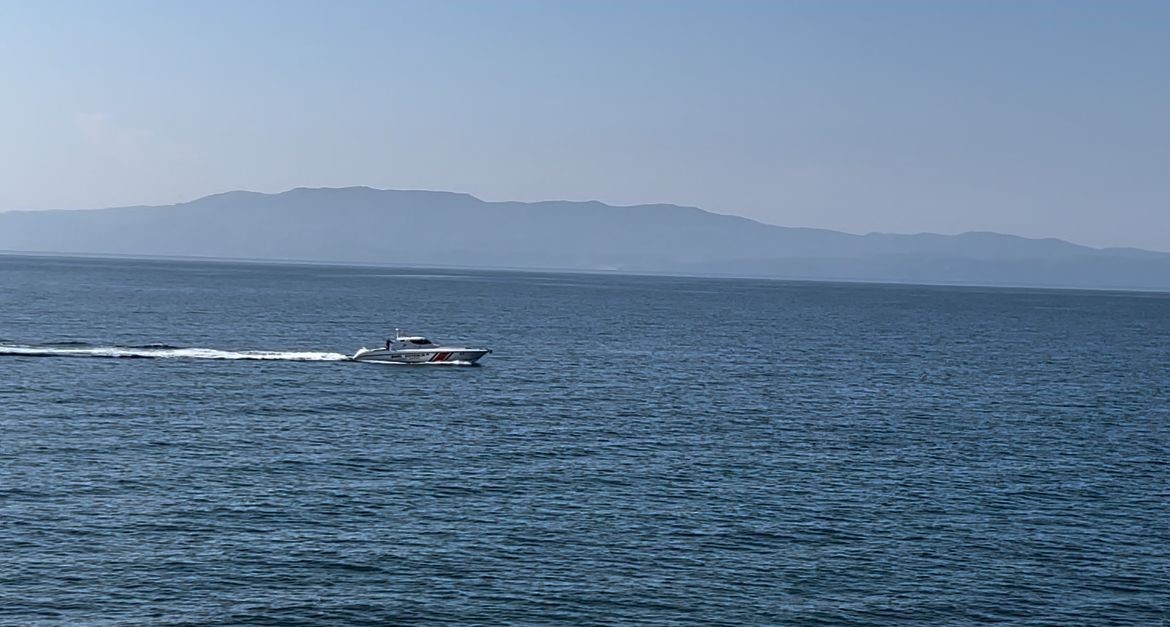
1040 118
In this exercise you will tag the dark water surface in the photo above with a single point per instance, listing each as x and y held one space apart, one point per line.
636 451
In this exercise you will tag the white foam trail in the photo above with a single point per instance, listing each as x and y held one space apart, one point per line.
166 353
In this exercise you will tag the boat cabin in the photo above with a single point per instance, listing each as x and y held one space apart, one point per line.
416 341
401 341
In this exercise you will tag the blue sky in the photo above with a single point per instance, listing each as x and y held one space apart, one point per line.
1039 118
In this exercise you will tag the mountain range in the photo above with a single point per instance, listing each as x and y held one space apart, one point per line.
430 228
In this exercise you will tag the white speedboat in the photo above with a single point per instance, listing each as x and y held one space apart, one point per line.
415 349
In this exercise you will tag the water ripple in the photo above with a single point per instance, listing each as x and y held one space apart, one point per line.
636 451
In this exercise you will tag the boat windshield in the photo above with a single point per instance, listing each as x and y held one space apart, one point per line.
421 341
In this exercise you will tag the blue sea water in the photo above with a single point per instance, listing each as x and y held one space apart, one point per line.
637 450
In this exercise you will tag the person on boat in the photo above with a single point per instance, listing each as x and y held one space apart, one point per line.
387 344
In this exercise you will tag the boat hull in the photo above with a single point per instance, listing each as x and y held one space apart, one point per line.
441 355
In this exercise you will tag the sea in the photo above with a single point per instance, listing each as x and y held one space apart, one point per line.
186 443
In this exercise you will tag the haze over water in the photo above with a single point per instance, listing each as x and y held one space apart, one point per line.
636 450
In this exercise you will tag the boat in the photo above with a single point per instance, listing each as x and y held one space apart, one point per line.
416 349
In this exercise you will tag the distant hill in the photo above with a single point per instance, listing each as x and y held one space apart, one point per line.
364 225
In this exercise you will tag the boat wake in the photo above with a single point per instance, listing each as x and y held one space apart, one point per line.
159 351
